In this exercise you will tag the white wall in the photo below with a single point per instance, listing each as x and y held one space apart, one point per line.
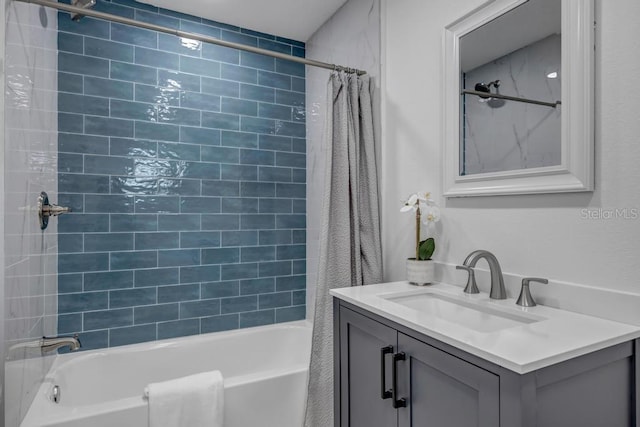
541 235
350 38
30 152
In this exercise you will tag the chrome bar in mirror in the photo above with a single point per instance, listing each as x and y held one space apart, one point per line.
510 98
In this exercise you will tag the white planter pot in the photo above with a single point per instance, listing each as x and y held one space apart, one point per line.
420 272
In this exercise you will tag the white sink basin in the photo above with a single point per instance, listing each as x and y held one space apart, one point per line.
478 316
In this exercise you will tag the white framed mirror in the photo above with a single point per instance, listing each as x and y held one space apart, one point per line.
518 99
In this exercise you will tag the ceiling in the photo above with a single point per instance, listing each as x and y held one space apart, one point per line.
293 19
520 27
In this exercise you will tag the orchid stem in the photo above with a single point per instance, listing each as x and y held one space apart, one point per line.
418 234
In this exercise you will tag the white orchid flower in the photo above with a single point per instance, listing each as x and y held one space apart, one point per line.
415 201
411 204
431 214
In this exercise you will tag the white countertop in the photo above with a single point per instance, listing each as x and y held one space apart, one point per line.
553 335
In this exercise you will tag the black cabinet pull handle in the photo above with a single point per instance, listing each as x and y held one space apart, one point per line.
384 393
397 403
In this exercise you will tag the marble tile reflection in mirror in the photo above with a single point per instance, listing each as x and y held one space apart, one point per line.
518 54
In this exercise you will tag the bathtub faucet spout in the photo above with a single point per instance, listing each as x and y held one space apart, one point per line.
48 344
45 345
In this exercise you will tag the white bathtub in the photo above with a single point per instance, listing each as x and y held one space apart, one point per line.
264 369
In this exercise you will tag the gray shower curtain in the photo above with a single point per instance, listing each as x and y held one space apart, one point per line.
350 248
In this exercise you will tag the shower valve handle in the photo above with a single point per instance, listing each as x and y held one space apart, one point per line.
47 210
54 210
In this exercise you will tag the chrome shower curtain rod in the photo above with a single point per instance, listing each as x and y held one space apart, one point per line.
510 98
193 36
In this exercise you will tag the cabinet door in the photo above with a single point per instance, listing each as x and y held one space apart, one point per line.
361 342
444 391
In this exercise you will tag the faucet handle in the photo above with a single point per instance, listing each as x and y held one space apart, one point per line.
471 287
525 299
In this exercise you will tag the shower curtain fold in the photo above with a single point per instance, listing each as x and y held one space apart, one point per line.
350 247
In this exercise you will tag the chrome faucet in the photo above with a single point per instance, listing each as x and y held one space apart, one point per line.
48 344
497 282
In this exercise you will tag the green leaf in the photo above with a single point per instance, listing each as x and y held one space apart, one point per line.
426 248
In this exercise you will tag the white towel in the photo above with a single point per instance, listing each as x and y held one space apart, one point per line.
193 401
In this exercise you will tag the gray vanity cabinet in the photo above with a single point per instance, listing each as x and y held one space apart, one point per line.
431 388
443 386
444 391
361 344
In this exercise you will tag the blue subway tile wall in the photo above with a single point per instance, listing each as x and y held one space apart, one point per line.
184 164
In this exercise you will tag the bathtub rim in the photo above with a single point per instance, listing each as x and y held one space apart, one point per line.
169 342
